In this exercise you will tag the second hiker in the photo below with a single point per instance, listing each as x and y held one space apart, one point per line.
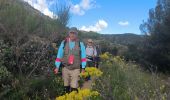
91 53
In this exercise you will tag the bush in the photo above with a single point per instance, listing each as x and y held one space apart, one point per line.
126 81
157 30
46 88
82 94
4 74
40 88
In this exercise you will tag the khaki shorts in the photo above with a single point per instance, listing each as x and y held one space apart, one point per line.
71 77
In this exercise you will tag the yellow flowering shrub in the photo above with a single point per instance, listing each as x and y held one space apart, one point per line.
118 59
91 71
105 56
82 94
84 75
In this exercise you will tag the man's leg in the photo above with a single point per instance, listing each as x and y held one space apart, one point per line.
90 64
67 89
74 79
66 78
97 62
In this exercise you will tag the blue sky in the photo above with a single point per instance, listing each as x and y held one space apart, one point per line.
103 16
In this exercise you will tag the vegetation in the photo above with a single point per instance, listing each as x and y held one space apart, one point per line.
91 71
29 41
124 39
127 81
157 29
84 94
26 52
122 80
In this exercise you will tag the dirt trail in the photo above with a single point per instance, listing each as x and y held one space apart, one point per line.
88 84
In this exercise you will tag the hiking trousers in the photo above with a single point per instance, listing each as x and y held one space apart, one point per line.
71 77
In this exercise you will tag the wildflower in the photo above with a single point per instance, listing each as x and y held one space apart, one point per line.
105 56
91 71
84 75
81 95
118 59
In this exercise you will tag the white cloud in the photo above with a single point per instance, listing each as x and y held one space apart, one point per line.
42 6
100 25
84 5
76 9
123 23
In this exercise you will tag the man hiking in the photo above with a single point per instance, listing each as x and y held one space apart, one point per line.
91 53
72 55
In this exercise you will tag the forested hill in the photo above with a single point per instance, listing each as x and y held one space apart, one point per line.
124 39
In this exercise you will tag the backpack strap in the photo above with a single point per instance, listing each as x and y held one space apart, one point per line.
66 40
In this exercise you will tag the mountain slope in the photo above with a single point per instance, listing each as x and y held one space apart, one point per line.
124 39
17 16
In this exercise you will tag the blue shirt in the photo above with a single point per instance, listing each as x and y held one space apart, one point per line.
71 46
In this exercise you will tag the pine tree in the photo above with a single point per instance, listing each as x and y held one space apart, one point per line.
157 30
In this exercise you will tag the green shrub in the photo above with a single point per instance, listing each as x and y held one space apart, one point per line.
4 74
126 81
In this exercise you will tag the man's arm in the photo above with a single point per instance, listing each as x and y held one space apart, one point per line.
59 55
95 51
83 55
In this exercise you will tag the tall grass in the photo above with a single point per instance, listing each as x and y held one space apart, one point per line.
126 81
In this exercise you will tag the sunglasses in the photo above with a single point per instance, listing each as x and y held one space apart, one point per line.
72 32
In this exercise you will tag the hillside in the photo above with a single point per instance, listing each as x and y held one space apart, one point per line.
26 52
19 23
20 14
124 39
16 17
117 44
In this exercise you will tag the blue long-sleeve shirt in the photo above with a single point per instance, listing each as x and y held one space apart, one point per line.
71 46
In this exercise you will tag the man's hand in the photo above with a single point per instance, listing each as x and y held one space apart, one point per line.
82 70
56 71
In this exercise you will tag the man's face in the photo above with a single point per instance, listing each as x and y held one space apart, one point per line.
72 35
90 43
